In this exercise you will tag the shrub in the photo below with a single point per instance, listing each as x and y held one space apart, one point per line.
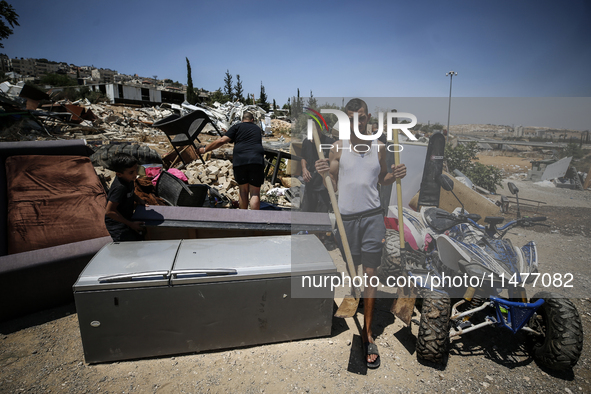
97 97
462 158
573 149
488 177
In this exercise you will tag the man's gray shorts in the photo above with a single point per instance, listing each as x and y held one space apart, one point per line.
366 236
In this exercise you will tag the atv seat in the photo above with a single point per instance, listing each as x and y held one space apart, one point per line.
494 220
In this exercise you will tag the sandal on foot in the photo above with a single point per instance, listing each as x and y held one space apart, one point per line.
372 348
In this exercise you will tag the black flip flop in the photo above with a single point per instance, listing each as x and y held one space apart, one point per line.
372 348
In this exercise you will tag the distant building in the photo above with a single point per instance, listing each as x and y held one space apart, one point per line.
146 95
518 132
120 88
23 66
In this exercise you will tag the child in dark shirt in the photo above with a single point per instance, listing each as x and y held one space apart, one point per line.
121 198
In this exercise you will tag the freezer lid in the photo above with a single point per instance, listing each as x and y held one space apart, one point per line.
227 259
128 265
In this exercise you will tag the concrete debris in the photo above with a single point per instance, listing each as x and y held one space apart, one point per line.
10 89
104 123
96 123
219 174
105 175
280 126
556 170
545 183
518 176
226 115
277 191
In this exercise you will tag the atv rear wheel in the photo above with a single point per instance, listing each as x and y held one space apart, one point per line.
560 323
433 336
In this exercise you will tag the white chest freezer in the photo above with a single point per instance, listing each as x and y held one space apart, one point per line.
154 298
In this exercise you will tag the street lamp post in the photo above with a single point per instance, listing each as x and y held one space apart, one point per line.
451 77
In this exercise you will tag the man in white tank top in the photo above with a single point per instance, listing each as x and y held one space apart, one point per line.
356 167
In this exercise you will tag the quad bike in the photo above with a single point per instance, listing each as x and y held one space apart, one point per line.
480 264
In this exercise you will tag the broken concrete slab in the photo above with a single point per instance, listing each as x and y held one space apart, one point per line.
556 170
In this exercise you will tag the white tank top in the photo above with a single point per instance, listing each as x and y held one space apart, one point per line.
358 179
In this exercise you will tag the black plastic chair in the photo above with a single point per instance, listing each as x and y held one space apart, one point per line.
177 193
184 130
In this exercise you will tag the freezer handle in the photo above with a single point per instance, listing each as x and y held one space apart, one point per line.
203 271
134 276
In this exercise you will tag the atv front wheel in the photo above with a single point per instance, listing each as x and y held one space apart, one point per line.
433 336
562 342
390 265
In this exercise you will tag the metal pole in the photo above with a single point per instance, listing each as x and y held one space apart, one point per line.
451 76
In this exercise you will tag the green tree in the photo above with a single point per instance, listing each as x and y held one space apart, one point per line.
463 157
7 13
573 150
57 80
238 91
274 105
72 93
97 97
191 95
228 89
262 102
297 105
218 96
460 157
312 102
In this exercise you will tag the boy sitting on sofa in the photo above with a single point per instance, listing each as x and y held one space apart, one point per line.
121 198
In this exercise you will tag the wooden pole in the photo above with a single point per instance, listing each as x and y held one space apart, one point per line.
349 305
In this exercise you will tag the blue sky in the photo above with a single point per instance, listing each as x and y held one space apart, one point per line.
345 48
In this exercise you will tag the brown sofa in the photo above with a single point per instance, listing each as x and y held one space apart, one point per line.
37 279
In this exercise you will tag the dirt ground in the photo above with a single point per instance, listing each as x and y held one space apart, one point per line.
510 165
42 353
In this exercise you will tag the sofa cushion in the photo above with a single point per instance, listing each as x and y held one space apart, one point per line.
53 200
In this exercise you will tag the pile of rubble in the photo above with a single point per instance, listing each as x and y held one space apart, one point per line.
111 122
281 126
103 124
226 115
116 123
219 174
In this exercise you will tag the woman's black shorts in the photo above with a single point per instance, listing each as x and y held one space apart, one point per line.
253 174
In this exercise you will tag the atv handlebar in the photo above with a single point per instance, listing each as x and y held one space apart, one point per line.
473 218
461 217
523 222
501 231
